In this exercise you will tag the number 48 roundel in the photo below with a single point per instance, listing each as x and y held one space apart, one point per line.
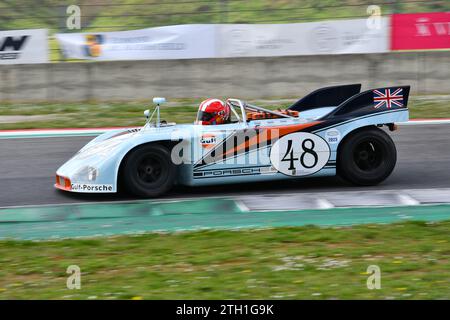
299 154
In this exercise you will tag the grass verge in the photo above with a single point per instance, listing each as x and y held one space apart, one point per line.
111 15
281 263
85 115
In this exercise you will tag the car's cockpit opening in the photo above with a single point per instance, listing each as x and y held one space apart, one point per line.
214 111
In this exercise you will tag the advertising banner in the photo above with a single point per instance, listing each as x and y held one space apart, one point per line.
23 46
171 42
420 31
230 40
327 37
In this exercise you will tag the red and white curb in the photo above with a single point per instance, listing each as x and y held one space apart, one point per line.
85 132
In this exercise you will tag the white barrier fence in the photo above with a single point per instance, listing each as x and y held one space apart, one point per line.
330 37
229 40
23 46
172 42
201 41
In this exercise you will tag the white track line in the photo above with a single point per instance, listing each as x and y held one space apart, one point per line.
43 133
5 134
408 200
324 204
424 122
241 205
321 201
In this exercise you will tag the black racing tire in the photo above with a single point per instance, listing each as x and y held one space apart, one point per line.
148 171
366 157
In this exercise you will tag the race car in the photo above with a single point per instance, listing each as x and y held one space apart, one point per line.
333 130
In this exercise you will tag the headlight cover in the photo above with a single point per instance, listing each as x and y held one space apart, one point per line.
86 174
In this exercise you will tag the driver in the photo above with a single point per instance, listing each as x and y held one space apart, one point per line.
213 111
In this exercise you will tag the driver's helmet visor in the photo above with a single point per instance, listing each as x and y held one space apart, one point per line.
205 116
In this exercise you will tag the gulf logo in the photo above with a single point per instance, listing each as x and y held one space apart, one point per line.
208 141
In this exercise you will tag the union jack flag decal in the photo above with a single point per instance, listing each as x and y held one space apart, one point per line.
388 98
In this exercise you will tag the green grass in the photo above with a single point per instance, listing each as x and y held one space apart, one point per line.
90 115
110 15
85 115
429 107
282 263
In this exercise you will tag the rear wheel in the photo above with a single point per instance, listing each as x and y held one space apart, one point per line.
366 157
148 171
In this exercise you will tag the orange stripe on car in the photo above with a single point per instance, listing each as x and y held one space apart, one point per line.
282 131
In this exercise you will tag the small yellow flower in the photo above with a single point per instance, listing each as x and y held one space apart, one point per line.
136 298
401 289
397 262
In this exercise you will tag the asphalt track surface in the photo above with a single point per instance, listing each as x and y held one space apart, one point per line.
27 170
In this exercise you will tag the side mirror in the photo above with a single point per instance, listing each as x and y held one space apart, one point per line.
147 113
159 100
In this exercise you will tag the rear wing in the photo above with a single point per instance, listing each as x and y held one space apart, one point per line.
373 101
326 97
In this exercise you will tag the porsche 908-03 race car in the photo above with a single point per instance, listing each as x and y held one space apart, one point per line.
333 130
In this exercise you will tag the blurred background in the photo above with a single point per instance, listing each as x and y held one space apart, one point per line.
120 15
83 60
98 63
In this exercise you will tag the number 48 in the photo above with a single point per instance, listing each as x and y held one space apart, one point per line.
307 148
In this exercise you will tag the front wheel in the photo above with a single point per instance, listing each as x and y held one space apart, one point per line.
366 157
148 171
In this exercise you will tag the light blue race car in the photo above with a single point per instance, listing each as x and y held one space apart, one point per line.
333 130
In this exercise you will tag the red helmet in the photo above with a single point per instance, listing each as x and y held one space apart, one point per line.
213 111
